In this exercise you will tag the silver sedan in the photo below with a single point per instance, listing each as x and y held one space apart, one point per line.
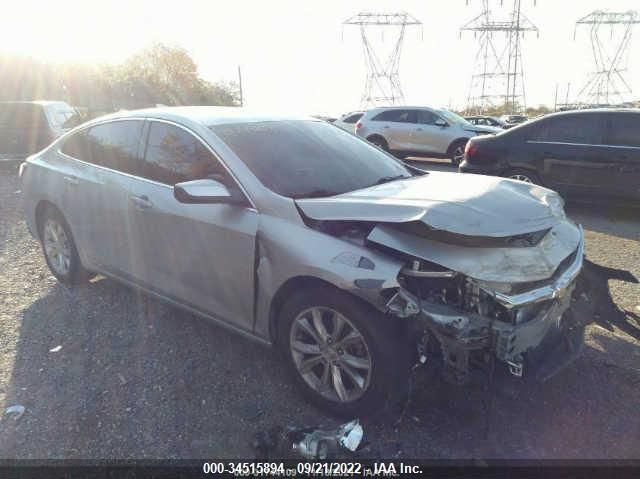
295 233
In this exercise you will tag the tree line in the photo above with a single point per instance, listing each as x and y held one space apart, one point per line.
161 74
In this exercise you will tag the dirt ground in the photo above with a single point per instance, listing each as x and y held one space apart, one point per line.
104 372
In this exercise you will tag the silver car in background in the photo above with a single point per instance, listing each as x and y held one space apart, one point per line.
295 233
419 131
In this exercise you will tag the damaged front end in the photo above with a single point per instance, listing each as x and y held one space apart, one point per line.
534 328
490 268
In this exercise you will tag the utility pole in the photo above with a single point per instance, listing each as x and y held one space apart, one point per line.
240 85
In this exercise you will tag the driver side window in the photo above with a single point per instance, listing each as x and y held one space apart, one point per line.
174 155
425 117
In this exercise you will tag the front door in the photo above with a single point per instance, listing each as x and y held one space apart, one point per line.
427 137
199 254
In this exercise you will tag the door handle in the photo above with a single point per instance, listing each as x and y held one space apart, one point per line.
141 202
627 169
386 126
418 129
72 180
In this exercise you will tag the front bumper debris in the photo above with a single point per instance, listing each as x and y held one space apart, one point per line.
537 347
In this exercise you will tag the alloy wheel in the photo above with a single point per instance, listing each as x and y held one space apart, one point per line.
520 177
458 155
330 354
57 247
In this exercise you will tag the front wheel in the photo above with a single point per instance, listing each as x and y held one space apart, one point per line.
457 152
343 355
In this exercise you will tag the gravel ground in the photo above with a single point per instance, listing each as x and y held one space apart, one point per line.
104 372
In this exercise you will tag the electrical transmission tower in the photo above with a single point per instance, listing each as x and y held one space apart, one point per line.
607 85
498 76
382 85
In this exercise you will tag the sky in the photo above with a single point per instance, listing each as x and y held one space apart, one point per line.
296 55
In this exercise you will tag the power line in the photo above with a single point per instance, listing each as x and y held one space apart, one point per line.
498 76
382 85
607 84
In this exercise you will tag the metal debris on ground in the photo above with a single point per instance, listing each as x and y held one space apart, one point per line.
56 349
321 443
310 443
16 411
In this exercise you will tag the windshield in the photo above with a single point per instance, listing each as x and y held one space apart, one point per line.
305 159
453 118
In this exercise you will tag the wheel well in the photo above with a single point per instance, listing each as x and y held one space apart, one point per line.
454 143
41 208
285 291
374 136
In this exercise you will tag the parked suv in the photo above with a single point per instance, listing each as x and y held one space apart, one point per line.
581 153
419 131
295 233
29 126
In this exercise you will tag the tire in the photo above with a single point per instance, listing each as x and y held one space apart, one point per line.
524 175
379 142
371 365
60 250
456 152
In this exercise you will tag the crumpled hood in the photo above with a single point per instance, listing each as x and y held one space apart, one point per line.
465 204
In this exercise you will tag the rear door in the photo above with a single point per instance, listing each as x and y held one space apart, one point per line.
200 254
24 129
569 155
98 187
623 148
396 127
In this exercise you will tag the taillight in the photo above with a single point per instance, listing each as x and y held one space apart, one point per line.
21 170
469 150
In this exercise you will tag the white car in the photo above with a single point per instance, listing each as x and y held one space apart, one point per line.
348 121
419 131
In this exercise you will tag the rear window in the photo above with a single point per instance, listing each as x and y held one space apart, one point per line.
352 118
63 117
22 116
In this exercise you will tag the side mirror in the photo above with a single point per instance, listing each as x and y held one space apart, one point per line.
441 123
205 191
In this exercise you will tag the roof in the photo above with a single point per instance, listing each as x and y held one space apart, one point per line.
207 115
34 102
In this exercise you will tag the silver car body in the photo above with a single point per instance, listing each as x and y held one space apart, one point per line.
234 264
413 134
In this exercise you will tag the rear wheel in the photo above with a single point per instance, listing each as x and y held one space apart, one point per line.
456 152
379 142
59 249
523 175
344 356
